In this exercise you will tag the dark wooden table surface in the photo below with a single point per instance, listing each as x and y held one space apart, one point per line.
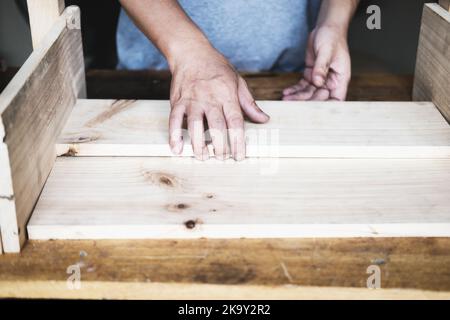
240 268
114 84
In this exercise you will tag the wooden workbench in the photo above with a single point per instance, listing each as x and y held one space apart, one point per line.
240 268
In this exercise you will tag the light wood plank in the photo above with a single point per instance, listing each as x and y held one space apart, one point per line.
33 109
183 291
432 75
296 129
43 14
94 198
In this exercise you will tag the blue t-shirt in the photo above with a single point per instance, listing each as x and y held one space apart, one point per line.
255 35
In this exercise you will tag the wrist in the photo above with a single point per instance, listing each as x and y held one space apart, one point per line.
336 15
191 53
339 30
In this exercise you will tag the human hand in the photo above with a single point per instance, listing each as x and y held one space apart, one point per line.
205 85
328 68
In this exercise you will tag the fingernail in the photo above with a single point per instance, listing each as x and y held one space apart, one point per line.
177 148
223 156
239 157
318 80
205 153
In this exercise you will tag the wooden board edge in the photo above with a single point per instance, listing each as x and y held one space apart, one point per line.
423 88
260 151
235 231
8 221
42 14
176 291
31 64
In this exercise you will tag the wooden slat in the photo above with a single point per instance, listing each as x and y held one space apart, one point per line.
432 75
43 14
33 108
92 198
182 291
296 129
109 267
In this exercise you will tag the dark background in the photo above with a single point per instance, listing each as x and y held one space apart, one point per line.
391 49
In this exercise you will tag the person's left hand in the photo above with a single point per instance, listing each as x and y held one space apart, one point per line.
328 68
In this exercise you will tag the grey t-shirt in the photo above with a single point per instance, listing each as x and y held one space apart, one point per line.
255 35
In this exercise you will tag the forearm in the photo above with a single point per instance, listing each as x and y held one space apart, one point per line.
337 14
169 28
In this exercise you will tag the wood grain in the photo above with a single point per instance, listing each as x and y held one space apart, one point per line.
240 267
43 14
121 198
296 129
34 107
432 75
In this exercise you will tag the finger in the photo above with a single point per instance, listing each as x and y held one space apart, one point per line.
197 133
249 105
302 84
322 65
218 132
301 95
339 86
320 94
176 128
310 58
236 135
307 74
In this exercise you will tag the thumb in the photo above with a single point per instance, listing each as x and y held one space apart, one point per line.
249 105
322 65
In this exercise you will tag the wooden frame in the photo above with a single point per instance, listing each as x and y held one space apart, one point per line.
34 107
432 75
37 104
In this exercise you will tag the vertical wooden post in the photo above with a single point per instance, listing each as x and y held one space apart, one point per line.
43 14
432 74
445 4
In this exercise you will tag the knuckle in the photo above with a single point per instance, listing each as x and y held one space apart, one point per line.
217 122
235 120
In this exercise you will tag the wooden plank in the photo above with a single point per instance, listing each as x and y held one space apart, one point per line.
43 14
33 108
432 75
96 198
181 291
445 4
296 129
419 264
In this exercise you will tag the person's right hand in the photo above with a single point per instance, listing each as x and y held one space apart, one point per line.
205 85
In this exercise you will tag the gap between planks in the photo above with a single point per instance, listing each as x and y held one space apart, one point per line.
296 129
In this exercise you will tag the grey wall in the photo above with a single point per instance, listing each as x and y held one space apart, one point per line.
15 38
